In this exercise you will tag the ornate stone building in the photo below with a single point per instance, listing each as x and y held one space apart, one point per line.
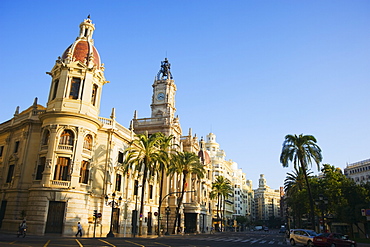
240 202
60 164
266 201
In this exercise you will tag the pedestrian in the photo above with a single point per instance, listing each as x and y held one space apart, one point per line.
79 229
22 229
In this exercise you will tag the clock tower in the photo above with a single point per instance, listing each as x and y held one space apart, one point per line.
163 117
164 89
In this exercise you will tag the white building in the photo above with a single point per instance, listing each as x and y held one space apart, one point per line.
359 171
267 201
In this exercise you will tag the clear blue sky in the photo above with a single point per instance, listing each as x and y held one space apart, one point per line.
248 71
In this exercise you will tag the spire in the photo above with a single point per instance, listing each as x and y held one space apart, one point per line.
135 114
35 103
86 29
201 143
165 73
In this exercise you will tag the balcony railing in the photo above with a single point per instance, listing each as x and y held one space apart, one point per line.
65 147
60 183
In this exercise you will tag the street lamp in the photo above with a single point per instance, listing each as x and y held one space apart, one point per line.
322 202
168 211
112 203
160 205
135 215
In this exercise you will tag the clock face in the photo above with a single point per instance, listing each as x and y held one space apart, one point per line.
160 96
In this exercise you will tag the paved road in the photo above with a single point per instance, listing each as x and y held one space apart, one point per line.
201 240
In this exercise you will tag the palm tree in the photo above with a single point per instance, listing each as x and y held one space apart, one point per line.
301 151
142 156
220 188
295 181
166 150
294 185
185 163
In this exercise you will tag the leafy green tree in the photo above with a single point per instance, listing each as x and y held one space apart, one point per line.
185 163
301 151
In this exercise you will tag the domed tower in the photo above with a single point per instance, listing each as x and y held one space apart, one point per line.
77 76
70 124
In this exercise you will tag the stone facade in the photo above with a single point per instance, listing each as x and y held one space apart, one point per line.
59 163
358 171
266 201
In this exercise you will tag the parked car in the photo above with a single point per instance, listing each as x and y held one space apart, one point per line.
266 229
333 240
258 228
302 236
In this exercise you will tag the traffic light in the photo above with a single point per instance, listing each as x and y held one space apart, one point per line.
95 213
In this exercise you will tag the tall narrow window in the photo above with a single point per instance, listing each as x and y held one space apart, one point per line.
45 138
62 169
150 191
1 151
55 89
118 182
16 147
40 168
10 174
84 172
120 157
75 88
136 185
93 94
88 142
66 138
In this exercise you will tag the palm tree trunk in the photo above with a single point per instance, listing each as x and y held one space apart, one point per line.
309 194
160 200
179 203
142 203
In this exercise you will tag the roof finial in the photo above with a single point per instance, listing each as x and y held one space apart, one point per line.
88 17
113 114
16 111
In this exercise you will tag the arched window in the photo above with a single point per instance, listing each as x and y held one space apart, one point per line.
66 138
45 138
88 142
84 172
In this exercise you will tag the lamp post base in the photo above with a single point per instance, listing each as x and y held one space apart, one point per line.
110 234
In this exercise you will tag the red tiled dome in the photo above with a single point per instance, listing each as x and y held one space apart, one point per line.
204 157
80 52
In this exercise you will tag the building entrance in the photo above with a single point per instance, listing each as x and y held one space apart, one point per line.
55 220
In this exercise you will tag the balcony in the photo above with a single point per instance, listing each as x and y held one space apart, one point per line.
60 184
65 147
